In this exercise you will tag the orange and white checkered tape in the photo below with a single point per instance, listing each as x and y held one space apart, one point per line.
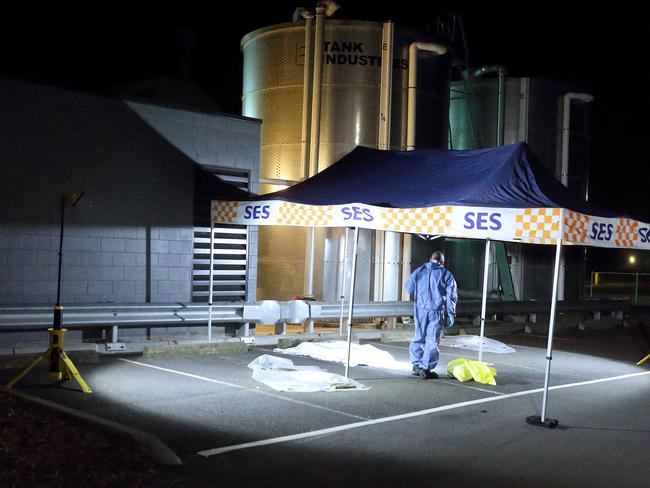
224 212
576 226
429 220
627 234
300 214
539 225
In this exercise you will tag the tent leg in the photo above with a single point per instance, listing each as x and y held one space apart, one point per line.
351 298
542 420
211 286
486 266
345 259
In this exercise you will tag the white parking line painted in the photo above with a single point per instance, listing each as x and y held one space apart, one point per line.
527 347
356 425
181 373
307 404
460 385
233 385
393 345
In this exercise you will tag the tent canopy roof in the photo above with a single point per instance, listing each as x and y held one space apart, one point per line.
502 177
501 193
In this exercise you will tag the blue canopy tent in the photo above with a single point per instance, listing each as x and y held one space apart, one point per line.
501 177
501 193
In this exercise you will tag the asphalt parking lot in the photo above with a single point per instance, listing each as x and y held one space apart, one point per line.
233 431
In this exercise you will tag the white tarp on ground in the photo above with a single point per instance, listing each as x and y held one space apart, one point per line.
369 355
337 351
282 375
472 343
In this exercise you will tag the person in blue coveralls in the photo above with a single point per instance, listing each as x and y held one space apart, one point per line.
434 294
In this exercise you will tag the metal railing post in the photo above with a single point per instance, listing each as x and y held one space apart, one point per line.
353 273
551 327
486 265
345 259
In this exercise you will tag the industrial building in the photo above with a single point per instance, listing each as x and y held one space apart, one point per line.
140 233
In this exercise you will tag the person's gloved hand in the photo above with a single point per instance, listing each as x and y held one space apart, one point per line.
450 320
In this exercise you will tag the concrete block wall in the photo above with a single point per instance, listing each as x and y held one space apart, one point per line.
100 264
217 142
171 264
130 239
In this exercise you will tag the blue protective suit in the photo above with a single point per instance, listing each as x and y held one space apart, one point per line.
434 291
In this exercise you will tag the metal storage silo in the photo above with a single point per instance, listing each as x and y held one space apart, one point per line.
274 62
535 111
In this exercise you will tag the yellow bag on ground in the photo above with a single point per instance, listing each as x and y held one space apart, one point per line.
465 369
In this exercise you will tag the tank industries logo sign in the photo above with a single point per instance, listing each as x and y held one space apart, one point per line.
350 53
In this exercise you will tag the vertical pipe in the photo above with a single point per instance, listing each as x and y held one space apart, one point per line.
636 287
591 285
564 168
380 260
551 324
310 273
386 86
524 90
306 96
345 259
486 265
210 286
414 47
114 334
501 109
392 269
501 98
406 264
500 139
412 99
383 142
351 307
314 140
317 82
566 130
411 119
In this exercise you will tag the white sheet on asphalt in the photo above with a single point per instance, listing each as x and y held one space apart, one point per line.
282 375
472 343
337 351
369 355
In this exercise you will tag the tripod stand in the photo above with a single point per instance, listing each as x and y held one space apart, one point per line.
60 364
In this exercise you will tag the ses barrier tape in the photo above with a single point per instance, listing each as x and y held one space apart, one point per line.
528 225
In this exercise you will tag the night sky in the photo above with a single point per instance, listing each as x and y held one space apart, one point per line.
602 48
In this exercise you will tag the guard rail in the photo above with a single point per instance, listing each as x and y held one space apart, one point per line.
39 317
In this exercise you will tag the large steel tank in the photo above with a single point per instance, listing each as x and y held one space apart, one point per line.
533 113
274 60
